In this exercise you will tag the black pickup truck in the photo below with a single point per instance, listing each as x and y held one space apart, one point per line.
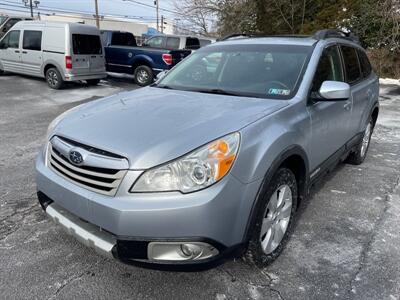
123 55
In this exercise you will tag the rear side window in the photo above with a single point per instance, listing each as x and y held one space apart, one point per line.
11 40
173 43
86 44
123 39
329 68
366 68
192 43
32 40
352 66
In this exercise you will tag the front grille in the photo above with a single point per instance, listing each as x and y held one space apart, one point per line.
101 180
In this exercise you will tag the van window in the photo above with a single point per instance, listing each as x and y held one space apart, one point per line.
156 42
10 23
329 68
86 44
204 43
173 43
351 64
366 68
2 19
123 39
11 40
32 40
192 43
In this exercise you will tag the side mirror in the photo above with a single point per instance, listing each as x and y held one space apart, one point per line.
334 91
161 75
5 29
2 46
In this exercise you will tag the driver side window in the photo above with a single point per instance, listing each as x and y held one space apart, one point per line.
329 68
11 40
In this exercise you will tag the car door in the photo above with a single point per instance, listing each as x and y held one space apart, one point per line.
330 120
361 86
31 54
10 53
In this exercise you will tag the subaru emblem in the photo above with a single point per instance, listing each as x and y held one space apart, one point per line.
75 157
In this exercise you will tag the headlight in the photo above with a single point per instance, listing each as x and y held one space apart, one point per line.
194 171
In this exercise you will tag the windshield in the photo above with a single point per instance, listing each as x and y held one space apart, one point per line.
2 19
263 71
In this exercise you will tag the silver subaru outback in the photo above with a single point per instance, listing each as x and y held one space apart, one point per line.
214 158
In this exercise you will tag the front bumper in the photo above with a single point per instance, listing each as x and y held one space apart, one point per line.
123 226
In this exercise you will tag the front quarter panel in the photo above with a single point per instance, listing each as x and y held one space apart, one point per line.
264 141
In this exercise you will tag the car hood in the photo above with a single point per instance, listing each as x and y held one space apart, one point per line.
151 126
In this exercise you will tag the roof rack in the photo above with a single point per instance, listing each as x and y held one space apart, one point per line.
335 33
319 35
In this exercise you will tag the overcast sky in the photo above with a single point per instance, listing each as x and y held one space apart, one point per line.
106 7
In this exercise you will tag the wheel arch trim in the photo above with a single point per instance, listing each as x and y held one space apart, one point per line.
294 150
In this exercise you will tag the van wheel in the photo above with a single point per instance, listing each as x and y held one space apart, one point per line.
143 75
357 157
274 221
92 82
54 79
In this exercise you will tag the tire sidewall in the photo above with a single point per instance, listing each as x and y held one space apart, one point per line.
60 80
149 72
254 251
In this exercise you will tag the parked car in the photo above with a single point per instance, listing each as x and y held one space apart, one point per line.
213 161
124 56
56 51
6 22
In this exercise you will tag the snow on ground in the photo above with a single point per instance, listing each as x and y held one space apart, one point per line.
389 94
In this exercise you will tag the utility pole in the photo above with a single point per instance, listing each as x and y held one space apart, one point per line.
162 24
97 14
157 12
32 4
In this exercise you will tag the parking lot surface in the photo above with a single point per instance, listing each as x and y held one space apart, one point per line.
345 246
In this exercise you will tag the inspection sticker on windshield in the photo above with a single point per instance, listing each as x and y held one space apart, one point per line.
281 92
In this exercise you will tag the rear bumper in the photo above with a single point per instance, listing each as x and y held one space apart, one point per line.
75 77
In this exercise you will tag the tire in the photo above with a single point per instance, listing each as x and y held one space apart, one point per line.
92 82
54 79
357 157
267 242
143 75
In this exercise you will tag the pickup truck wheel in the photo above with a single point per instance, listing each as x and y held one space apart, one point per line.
54 79
357 157
274 221
92 82
143 75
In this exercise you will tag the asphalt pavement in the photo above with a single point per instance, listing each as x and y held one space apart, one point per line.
345 246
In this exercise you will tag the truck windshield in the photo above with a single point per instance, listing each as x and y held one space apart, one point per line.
263 71
86 44
2 19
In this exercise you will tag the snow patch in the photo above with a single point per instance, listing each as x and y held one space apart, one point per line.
389 81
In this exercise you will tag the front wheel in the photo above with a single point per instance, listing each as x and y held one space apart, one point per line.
54 79
143 75
357 157
274 220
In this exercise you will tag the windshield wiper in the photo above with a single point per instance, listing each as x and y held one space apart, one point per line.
218 92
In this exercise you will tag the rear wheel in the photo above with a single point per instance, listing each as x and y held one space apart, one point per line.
93 82
143 75
274 220
54 79
357 157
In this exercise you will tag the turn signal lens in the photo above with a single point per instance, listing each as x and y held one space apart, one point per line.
194 171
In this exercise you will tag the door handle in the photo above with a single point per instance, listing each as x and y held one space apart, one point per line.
347 106
24 52
16 51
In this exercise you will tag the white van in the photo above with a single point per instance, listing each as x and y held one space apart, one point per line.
56 51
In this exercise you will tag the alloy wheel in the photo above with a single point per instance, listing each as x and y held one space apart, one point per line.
276 219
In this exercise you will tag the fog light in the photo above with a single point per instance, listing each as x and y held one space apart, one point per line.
175 251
